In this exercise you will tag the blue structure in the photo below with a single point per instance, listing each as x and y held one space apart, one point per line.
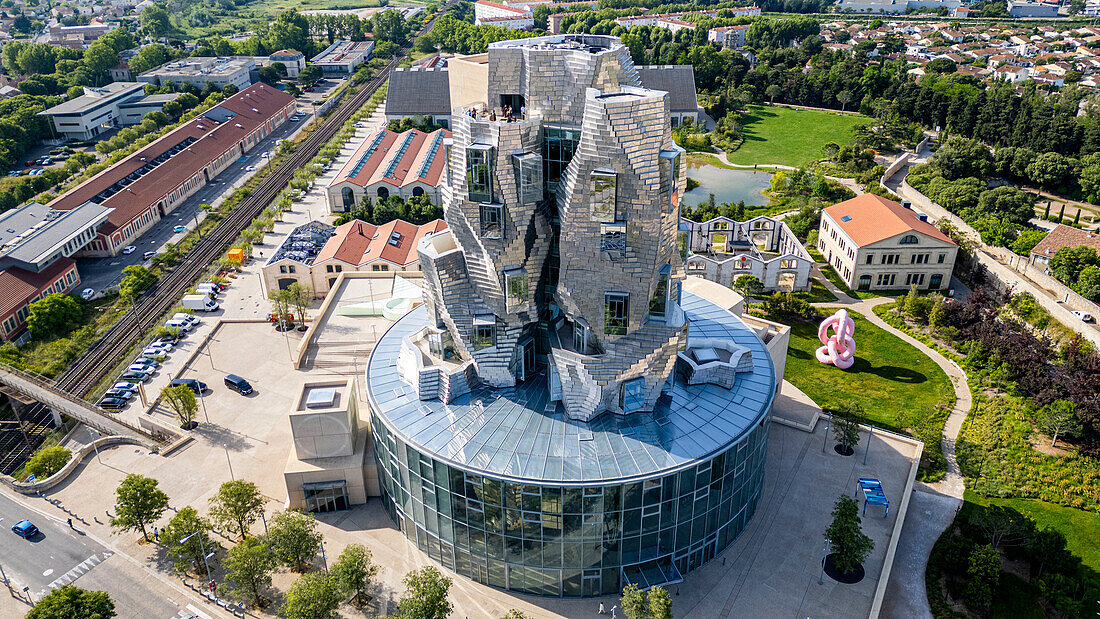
500 485
873 494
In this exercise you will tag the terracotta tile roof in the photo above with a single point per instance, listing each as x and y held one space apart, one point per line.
18 285
1065 236
872 218
398 159
358 242
250 107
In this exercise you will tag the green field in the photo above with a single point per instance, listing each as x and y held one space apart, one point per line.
786 136
1080 527
889 377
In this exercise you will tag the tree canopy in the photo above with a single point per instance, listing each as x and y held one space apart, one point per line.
139 503
69 602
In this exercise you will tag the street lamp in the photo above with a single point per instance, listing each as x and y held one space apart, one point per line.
324 559
99 435
205 556
231 477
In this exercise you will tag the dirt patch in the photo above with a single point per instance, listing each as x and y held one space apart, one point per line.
1041 442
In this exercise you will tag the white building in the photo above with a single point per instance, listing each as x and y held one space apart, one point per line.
877 244
293 60
498 14
728 36
197 71
96 111
723 249
343 57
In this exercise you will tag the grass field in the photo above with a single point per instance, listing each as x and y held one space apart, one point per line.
1080 527
889 377
786 136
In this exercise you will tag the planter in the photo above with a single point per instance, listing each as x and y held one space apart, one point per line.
844 450
844 578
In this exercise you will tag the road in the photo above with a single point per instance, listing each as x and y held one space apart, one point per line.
101 273
59 555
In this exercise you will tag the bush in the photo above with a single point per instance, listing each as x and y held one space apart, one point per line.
47 461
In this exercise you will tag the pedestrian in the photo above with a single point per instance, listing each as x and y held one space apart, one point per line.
602 611
522 112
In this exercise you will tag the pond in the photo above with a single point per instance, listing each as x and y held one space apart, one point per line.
727 185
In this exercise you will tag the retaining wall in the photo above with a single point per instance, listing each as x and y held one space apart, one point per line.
77 457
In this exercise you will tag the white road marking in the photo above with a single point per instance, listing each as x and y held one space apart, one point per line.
48 572
71 575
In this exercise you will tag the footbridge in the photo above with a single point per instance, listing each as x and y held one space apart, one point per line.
40 389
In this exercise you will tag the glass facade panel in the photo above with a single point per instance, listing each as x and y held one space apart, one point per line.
571 541
517 285
558 147
658 305
492 221
601 196
479 173
616 313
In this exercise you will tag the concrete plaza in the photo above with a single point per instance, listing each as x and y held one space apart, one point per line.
771 570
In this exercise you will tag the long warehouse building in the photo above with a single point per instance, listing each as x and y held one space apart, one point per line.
144 187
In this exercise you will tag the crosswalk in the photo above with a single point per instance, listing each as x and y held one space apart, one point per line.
81 568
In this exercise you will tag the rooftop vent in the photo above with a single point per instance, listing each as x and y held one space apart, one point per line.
846 218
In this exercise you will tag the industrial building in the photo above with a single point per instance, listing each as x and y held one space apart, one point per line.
343 57
148 184
408 164
419 93
565 416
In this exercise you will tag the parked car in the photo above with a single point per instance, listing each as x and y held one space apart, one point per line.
153 353
87 294
194 320
196 385
179 229
111 404
129 249
182 325
147 255
118 394
249 168
124 386
1084 316
238 384
141 367
25 529
166 342
147 362
135 376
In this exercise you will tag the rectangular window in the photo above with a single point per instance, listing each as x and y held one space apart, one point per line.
616 312
290 269
632 396
339 268
492 221
942 258
484 337
528 170
558 146
517 288
613 239
580 338
479 170
328 268
870 258
658 305
601 196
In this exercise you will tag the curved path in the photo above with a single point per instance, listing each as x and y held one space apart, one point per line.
932 507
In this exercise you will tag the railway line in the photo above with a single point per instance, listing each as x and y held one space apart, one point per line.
91 367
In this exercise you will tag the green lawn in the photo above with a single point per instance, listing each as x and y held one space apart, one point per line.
791 137
1080 527
889 376
818 293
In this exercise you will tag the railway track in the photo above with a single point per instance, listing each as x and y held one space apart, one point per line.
115 343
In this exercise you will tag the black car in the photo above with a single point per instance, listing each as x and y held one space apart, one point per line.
119 394
238 384
135 377
112 403
196 385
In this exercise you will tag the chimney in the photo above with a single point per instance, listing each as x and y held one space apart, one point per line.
907 204
922 217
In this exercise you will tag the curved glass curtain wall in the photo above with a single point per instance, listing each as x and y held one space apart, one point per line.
570 541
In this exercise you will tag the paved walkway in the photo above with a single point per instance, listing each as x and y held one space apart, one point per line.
933 506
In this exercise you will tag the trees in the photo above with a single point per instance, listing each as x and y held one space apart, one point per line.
237 505
844 97
984 572
294 539
847 542
354 570
1069 263
1050 170
138 503
652 604
68 602
47 461
389 26
960 157
290 30
182 401
313 596
299 296
748 285
1060 418
155 21
772 91
55 314
137 280
149 56
309 75
845 422
249 565
1007 203
425 595
187 524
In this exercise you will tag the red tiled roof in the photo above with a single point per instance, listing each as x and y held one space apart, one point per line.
873 218
505 7
1065 236
358 242
253 106
18 285
407 169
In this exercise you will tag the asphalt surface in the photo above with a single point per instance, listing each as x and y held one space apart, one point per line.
101 273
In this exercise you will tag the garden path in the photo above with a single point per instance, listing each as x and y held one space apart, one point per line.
933 506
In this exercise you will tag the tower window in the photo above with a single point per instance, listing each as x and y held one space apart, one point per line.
616 312
601 196
479 173
492 221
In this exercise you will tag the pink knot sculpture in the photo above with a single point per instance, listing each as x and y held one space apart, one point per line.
838 349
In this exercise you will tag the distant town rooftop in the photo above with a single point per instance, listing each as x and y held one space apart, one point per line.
594 44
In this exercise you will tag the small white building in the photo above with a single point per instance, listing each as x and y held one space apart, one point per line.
723 249
343 57
94 112
877 244
729 36
293 60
